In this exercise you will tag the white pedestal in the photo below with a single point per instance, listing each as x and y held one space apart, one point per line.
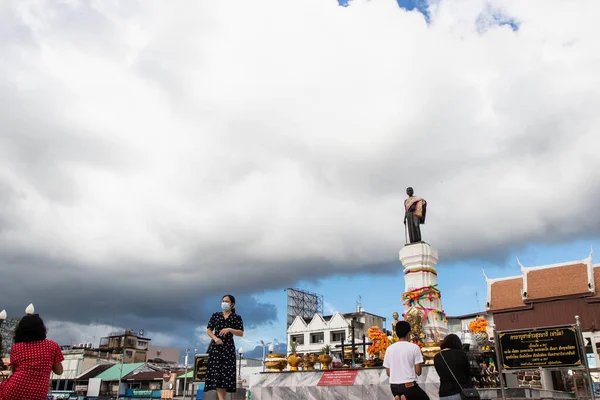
419 261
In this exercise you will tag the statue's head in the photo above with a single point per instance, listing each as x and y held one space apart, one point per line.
410 191
395 315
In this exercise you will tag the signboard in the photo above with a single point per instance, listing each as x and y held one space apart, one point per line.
141 393
200 365
81 388
540 348
338 377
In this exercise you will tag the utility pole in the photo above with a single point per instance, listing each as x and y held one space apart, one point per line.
120 374
187 354
588 376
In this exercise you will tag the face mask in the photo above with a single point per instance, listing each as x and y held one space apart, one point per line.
225 306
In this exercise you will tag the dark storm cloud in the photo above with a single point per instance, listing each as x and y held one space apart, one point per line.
154 157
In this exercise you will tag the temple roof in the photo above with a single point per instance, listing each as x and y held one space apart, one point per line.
558 281
546 282
506 294
596 296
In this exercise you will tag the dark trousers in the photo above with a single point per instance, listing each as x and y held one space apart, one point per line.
412 393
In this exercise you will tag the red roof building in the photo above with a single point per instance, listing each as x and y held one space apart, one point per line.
550 295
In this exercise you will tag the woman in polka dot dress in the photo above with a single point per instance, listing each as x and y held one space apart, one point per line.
220 372
32 358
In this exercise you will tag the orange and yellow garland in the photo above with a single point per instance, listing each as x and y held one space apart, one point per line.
479 325
380 342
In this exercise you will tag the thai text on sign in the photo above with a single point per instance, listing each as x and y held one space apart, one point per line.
200 364
541 347
338 378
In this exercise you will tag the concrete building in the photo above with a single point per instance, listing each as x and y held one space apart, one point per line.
163 355
134 347
312 335
77 360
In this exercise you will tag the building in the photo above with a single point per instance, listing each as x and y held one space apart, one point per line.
77 360
115 379
550 295
312 335
163 355
134 347
459 325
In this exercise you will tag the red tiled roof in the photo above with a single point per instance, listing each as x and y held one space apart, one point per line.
561 281
596 296
506 294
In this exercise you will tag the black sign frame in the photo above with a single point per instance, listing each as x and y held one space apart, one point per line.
200 365
529 348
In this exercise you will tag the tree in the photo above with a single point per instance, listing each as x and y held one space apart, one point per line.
7 331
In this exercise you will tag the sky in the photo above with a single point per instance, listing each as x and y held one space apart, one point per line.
155 156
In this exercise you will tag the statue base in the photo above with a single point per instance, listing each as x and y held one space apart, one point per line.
421 292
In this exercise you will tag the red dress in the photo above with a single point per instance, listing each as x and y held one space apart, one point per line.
31 364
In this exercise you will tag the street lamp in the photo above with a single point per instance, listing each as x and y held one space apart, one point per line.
187 354
264 346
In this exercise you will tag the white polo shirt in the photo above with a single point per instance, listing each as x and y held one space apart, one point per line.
401 358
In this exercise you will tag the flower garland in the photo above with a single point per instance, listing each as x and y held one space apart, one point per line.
438 315
424 269
413 297
380 342
479 325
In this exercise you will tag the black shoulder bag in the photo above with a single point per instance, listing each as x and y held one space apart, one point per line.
465 393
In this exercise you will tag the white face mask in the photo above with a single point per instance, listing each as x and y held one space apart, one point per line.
225 306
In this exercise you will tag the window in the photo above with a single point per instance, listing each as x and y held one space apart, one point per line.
317 338
130 342
142 344
129 353
298 339
338 336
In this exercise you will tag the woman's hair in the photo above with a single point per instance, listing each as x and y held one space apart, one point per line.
232 299
451 342
31 328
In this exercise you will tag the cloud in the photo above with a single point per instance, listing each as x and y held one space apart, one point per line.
154 156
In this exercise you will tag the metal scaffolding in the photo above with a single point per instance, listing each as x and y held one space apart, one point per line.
303 303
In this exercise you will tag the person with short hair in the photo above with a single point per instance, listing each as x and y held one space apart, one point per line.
32 359
456 359
403 364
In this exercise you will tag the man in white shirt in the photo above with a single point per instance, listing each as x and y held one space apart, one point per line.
402 363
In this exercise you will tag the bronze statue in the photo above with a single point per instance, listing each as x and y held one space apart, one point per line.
394 322
415 209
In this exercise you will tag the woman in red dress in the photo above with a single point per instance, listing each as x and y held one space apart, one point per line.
32 359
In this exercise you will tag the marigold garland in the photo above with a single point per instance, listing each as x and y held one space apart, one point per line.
413 297
424 269
479 325
380 342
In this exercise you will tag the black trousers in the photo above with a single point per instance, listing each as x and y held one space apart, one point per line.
411 393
